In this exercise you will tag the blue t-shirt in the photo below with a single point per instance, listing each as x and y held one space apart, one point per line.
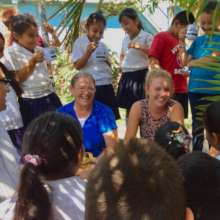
201 48
100 121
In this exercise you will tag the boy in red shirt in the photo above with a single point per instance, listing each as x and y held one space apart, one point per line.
166 52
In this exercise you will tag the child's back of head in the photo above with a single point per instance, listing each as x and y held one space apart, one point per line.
51 148
202 184
139 181
174 138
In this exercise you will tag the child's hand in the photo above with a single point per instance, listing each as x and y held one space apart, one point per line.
48 28
91 47
134 45
38 57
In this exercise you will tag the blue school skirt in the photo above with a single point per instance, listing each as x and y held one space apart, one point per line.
32 108
131 88
16 136
106 95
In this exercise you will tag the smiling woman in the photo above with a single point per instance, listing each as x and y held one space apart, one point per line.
158 108
96 119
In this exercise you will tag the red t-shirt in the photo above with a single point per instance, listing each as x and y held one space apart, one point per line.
165 49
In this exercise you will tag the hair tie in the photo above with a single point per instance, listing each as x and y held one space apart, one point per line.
35 160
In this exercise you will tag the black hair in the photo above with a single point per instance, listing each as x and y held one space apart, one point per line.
212 118
95 18
2 37
184 18
172 136
57 140
210 6
138 181
131 14
13 82
21 23
202 184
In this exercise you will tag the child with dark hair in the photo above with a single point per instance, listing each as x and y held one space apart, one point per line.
174 138
48 189
212 128
38 93
90 55
8 154
11 116
166 53
138 181
202 80
133 58
202 184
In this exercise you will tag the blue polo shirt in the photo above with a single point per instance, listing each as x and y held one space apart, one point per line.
100 121
201 48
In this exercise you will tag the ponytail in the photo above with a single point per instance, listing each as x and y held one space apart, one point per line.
33 201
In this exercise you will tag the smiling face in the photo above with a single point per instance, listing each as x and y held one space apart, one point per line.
84 91
28 39
206 22
159 91
130 26
95 31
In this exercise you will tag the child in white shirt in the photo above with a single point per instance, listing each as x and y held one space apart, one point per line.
90 55
38 94
134 59
52 152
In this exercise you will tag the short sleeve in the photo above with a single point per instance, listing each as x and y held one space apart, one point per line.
6 63
124 44
157 46
107 121
78 51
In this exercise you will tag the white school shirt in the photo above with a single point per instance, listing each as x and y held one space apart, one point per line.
11 116
97 63
9 168
67 199
135 59
38 83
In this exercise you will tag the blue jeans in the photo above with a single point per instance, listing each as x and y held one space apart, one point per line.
197 124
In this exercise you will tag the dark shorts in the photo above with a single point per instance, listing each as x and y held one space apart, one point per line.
106 95
182 98
32 108
131 88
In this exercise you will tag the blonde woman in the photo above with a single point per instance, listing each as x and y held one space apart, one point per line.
156 109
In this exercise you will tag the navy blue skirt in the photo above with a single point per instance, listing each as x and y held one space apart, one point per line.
106 95
131 88
32 108
16 136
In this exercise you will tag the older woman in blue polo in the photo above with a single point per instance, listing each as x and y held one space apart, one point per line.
96 119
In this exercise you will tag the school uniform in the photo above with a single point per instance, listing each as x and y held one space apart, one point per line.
67 197
12 120
38 93
98 67
9 169
134 68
